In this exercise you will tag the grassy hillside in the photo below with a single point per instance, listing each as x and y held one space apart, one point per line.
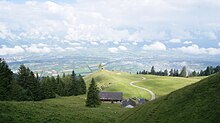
163 85
197 103
119 81
59 110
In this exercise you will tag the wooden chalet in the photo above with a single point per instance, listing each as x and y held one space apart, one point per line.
111 96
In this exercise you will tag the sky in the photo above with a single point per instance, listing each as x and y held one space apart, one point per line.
189 27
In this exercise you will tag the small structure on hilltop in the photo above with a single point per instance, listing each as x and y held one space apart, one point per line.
128 103
111 96
141 101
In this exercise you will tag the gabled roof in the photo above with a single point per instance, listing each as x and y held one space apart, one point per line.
128 102
111 96
141 100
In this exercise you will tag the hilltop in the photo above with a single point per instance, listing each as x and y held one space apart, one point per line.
195 103
120 81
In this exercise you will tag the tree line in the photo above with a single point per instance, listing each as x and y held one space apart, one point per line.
183 73
25 85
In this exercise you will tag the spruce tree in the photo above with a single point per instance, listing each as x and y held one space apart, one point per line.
165 72
93 99
183 72
171 72
74 85
5 79
82 87
60 86
152 70
46 86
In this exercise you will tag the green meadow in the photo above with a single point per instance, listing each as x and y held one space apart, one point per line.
72 109
163 85
119 81
59 110
196 103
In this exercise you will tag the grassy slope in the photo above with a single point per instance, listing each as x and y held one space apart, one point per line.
197 103
72 109
163 85
118 81
160 85
64 109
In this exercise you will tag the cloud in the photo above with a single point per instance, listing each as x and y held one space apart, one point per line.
211 35
116 42
4 50
117 49
155 46
113 50
122 48
5 33
94 43
187 42
219 44
196 50
135 43
38 48
69 21
175 40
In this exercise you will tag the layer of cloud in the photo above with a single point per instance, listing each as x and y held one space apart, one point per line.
196 50
113 50
122 48
175 40
95 43
117 49
187 42
155 46
4 50
87 20
39 48
211 35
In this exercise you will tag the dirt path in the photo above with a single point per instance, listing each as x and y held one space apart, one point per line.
149 91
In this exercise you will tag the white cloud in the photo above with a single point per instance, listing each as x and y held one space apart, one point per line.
219 44
175 40
38 48
155 46
135 43
117 49
94 43
122 48
195 49
187 42
113 50
116 42
211 35
4 50
70 21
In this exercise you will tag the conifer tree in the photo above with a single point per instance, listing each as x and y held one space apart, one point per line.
183 72
5 79
171 72
93 99
82 87
152 70
165 72
60 86
47 91
74 85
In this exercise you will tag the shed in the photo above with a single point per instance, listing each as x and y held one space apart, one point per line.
141 100
110 96
128 103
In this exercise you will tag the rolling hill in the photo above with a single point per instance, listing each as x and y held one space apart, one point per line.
58 110
197 103
120 81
